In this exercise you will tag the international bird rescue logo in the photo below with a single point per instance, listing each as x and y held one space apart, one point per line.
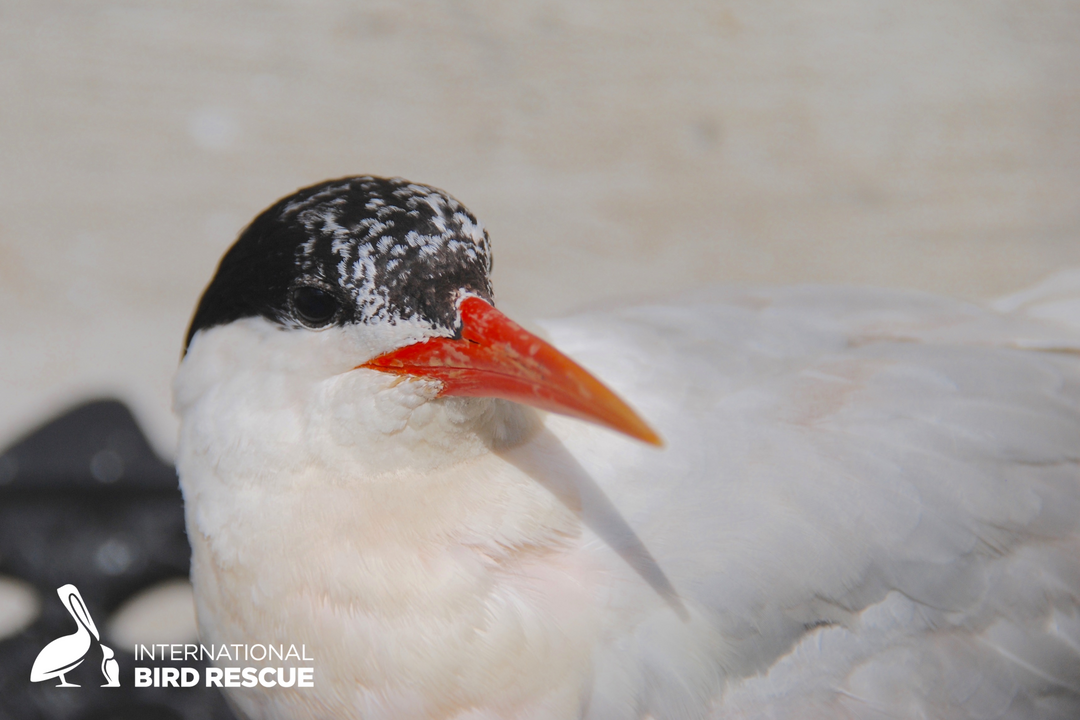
66 653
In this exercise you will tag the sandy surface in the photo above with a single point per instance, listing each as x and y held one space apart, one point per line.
613 149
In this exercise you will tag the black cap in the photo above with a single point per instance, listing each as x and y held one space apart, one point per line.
354 250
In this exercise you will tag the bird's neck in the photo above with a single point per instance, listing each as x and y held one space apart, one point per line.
383 528
381 454
392 580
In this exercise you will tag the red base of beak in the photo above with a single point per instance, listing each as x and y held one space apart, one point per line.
496 357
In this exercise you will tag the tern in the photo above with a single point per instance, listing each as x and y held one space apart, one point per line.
778 503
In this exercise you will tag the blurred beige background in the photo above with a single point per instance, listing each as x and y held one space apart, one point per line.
614 149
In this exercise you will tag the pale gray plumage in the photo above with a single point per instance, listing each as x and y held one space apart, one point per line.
877 497
868 507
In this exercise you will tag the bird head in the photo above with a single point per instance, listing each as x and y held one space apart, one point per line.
385 282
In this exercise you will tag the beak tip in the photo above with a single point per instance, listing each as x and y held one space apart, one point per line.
649 436
629 423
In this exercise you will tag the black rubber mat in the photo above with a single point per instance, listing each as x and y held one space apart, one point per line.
84 500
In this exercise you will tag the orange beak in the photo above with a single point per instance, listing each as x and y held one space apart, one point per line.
496 357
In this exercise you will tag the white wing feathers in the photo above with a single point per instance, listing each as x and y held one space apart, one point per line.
872 498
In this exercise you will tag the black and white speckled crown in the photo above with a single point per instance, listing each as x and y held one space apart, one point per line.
388 249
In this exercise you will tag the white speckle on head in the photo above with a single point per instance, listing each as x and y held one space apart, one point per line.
376 254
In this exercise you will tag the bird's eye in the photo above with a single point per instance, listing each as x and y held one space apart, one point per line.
314 307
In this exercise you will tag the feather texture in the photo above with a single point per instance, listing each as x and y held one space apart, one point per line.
867 508
873 496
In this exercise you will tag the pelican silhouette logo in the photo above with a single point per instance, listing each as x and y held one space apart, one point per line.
66 653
